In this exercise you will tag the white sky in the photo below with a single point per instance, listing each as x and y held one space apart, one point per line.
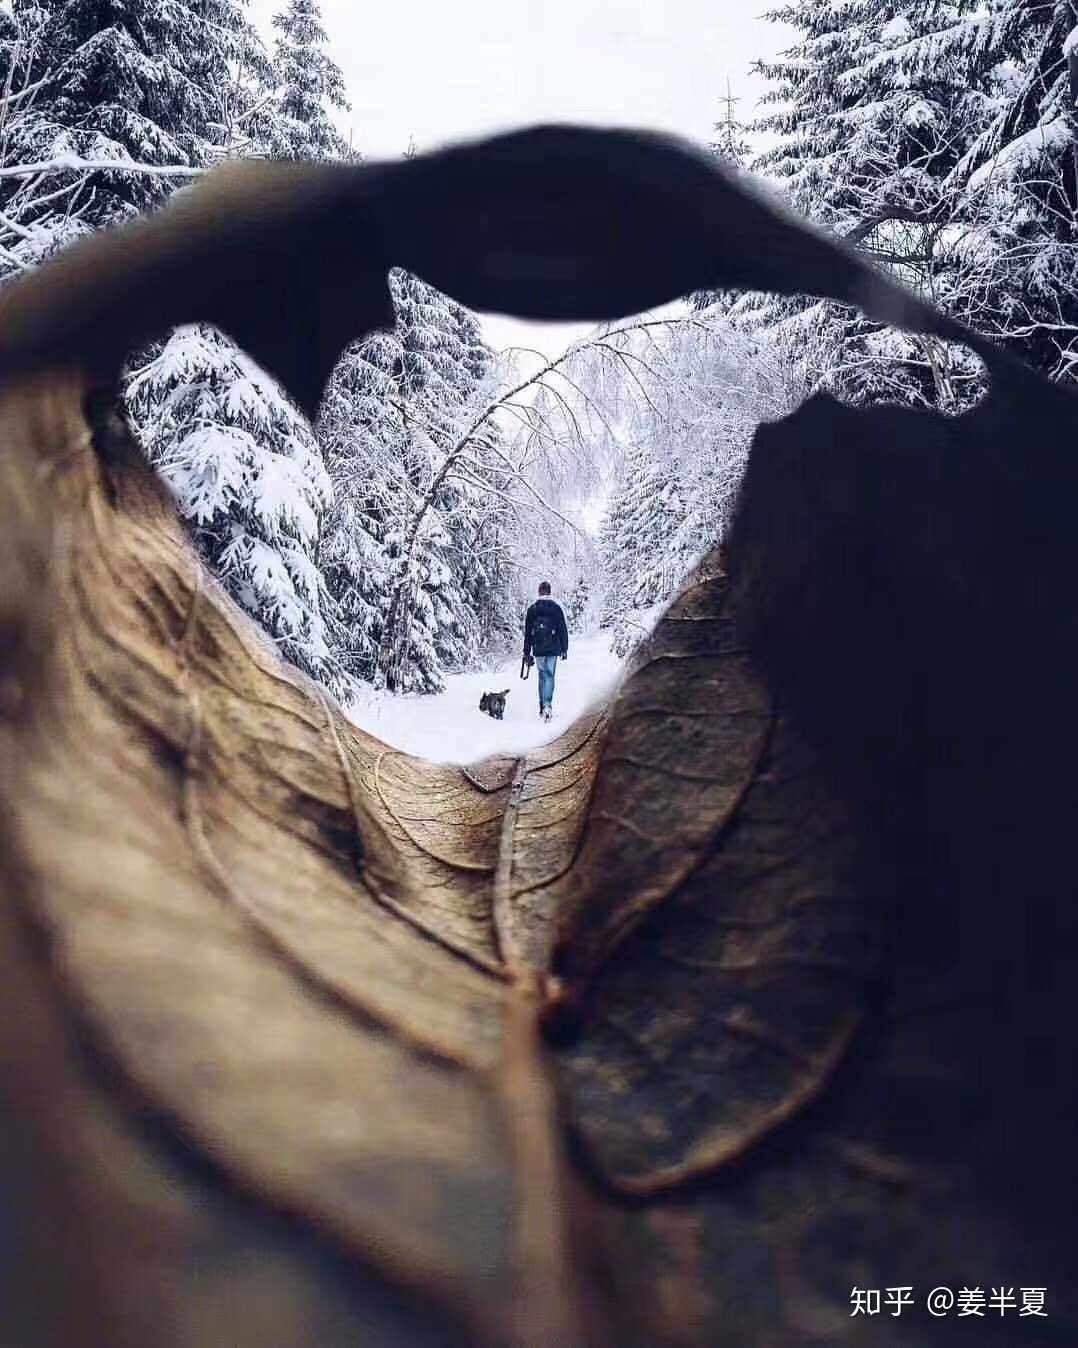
438 71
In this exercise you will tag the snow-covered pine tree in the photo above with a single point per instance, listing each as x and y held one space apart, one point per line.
871 118
308 82
670 507
360 429
36 220
423 633
709 483
1016 275
578 606
481 525
963 115
244 465
182 83
454 541
730 144
416 557
730 141
641 568
168 82
248 475
153 82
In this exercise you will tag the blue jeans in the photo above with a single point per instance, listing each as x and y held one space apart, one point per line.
546 665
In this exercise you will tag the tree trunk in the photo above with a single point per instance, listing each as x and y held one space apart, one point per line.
1072 83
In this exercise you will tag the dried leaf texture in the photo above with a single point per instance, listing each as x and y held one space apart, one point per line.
714 909
281 989
184 806
644 1038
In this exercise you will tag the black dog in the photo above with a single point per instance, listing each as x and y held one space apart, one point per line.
494 703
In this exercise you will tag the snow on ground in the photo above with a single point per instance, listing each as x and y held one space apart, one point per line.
449 727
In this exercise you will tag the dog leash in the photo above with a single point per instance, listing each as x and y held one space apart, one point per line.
525 667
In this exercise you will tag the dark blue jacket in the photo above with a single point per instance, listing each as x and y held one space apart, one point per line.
558 643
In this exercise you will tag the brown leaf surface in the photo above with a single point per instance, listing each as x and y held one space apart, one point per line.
293 973
714 910
213 923
272 1068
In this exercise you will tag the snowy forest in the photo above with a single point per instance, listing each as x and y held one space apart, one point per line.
399 539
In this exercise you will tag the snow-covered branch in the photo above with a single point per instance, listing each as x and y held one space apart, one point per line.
73 163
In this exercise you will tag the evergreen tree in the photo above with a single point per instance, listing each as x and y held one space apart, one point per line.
730 142
182 82
417 559
361 431
38 216
578 606
156 82
427 623
939 138
709 483
307 81
248 475
871 118
642 569
1017 184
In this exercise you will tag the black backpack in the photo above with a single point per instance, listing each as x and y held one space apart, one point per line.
544 635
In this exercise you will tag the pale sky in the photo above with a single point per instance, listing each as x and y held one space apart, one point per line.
438 71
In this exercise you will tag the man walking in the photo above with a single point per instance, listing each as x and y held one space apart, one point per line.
546 637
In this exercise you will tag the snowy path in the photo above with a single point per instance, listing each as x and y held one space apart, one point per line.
449 727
